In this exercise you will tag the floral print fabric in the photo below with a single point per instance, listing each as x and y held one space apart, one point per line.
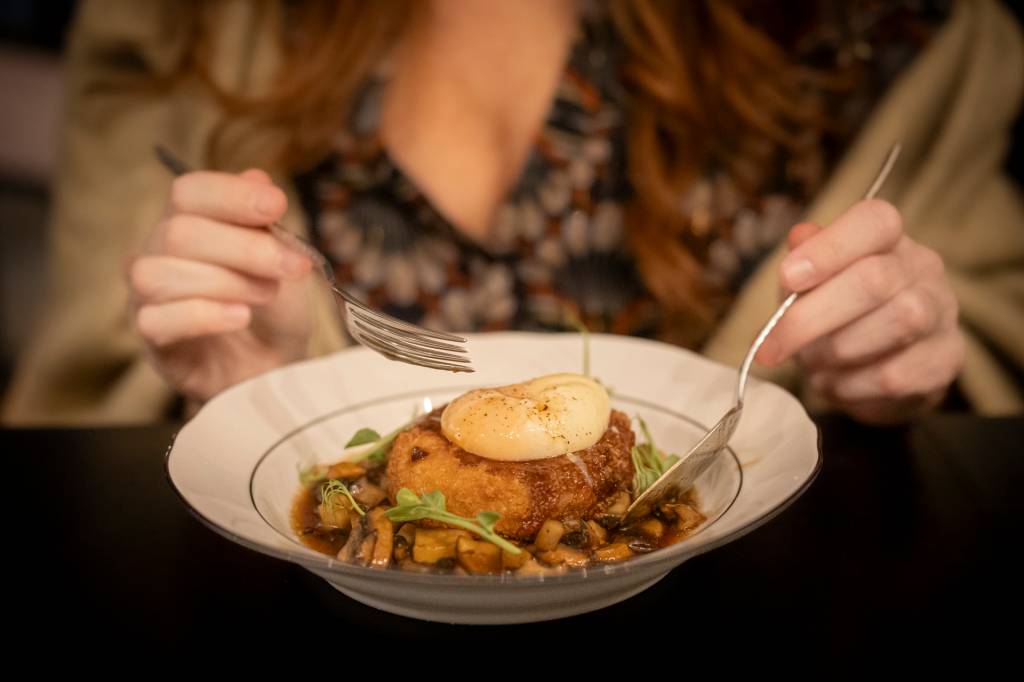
557 245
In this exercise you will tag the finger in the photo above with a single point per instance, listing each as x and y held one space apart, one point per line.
861 288
227 197
257 175
869 227
253 252
159 279
164 324
921 369
800 233
909 316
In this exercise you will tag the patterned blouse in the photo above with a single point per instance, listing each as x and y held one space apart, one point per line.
556 248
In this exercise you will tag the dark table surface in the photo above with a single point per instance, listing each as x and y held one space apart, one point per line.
906 542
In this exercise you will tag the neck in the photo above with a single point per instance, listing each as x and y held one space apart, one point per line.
494 27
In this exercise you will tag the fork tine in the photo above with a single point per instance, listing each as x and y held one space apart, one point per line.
378 323
402 325
382 336
392 354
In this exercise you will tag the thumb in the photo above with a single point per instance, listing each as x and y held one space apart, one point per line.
257 175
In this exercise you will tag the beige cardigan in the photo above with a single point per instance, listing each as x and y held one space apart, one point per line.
952 110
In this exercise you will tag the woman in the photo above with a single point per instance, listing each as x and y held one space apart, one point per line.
653 139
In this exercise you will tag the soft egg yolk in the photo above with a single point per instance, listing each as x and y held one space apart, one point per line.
545 417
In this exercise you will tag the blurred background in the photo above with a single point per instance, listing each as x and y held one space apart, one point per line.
32 37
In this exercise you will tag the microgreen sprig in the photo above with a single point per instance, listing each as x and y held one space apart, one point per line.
332 489
412 507
649 463
379 452
576 323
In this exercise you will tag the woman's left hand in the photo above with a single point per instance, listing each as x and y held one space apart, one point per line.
877 327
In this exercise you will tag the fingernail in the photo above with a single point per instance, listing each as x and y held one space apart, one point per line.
237 313
293 263
797 274
267 203
768 351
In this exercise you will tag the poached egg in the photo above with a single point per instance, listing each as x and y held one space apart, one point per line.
551 415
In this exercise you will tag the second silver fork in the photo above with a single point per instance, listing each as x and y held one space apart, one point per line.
393 338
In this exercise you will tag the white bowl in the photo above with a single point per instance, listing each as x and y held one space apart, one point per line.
235 464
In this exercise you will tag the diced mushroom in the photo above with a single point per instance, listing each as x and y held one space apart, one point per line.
352 544
584 534
549 535
576 534
651 528
371 540
620 503
686 517
345 470
335 516
597 534
384 532
364 553
477 556
615 509
511 562
617 551
367 494
404 538
434 544
563 554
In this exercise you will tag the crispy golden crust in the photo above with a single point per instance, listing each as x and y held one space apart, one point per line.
524 493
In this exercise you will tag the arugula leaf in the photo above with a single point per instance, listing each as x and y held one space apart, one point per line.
412 507
362 437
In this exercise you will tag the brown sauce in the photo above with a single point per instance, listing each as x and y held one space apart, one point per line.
305 519
306 523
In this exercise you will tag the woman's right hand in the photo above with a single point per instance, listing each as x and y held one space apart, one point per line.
217 298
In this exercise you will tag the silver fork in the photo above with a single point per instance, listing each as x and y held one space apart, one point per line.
681 475
393 338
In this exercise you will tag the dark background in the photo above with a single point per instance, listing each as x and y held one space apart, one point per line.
32 35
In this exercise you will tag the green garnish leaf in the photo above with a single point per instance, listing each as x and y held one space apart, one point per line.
407 498
643 474
379 452
412 507
362 437
487 519
331 491
649 463
434 500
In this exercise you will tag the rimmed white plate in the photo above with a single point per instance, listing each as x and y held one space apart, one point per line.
235 464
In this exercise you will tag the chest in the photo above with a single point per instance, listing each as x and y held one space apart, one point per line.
460 119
